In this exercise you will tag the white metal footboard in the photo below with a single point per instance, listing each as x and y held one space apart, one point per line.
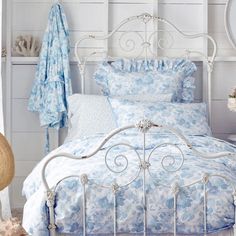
144 170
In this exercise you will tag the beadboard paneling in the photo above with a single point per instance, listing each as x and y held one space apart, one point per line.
23 168
22 119
223 120
192 13
80 24
224 79
222 136
22 80
77 16
217 30
17 200
34 143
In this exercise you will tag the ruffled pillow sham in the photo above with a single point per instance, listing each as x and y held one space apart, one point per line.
187 118
129 77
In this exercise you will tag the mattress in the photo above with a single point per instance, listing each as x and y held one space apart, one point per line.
68 213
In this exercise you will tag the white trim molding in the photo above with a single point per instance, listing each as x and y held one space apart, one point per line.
227 23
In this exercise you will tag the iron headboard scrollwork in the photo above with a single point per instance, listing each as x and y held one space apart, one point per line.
141 44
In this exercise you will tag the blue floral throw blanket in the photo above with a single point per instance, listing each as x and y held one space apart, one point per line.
160 202
52 84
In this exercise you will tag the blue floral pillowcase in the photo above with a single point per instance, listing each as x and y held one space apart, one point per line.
168 80
187 118
159 90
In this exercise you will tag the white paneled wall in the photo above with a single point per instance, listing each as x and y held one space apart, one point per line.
93 16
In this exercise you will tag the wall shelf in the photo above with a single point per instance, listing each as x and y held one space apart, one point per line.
24 60
226 58
34 60
30 60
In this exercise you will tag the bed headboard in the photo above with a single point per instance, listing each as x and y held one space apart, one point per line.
147 43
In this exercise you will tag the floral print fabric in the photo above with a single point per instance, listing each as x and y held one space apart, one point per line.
99 210
187 118
52 84
148 77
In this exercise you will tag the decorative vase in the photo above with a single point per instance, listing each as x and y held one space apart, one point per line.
232 104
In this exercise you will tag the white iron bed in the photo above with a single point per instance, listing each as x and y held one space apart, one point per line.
143 160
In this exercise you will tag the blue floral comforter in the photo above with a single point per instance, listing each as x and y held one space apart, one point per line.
68 205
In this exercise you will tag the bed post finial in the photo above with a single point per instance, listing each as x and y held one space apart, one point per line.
146 17
144 125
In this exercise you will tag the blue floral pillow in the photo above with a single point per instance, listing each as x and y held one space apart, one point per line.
129 77
190 119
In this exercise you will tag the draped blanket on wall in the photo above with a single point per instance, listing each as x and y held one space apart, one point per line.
52 84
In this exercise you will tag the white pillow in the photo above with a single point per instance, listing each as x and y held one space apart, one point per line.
88 115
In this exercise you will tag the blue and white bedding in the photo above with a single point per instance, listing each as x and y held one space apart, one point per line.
153 80
137 89
187 118
68 205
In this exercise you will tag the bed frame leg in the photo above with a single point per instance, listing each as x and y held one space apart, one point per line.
84 181
205 180
234 196
50 203
175 191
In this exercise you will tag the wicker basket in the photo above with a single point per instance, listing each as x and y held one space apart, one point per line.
7 166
